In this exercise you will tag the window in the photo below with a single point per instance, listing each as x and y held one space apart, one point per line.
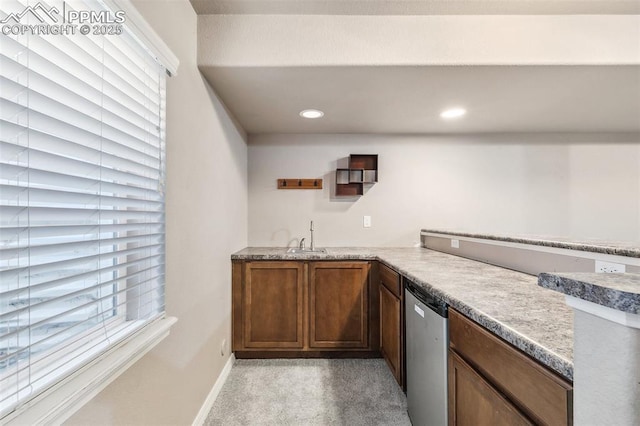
81 195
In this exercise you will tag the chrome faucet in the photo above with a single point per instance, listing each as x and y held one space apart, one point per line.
312 246
302 244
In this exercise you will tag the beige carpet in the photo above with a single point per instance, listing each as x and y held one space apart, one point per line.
310 392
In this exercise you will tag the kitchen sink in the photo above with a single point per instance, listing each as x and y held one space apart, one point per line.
296 250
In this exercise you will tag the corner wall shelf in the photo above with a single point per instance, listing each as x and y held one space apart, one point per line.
363 170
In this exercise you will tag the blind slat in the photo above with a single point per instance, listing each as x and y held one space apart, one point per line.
38 272
71 125
20 348
57 52
80 160
40 235
43 161
15 215
44 92
155 259
59 250
12 194
40 302
45 178
114 335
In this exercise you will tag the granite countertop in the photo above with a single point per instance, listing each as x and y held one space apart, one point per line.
617 291
280 253
509 303
619 248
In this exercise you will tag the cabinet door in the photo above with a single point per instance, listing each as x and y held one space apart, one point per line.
273 307
473 401
391 332
338 304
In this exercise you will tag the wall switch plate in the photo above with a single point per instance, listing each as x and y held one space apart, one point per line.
366 221
610 267
455 243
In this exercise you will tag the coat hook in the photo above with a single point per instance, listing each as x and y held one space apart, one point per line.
284 182
299 183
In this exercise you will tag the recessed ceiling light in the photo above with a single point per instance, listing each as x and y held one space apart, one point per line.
311 113
453 113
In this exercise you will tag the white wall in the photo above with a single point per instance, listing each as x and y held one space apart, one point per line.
206 214
571 185
306 40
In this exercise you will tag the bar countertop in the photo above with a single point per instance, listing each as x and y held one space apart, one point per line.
616 291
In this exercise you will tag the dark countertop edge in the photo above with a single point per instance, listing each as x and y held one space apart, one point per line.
541 354
580 246
619 300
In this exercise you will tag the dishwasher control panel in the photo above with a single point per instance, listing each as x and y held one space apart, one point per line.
432 302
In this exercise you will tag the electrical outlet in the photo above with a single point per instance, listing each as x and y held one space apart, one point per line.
610 267
455 243
366 221
223 347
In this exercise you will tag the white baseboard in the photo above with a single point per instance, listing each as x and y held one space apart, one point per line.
211 398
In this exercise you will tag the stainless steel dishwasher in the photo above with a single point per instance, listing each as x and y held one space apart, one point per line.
427 337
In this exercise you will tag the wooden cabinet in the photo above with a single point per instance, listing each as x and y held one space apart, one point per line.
492 382
298 308
338 305
391 323
273 305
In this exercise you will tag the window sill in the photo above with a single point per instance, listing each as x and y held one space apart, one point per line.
61 401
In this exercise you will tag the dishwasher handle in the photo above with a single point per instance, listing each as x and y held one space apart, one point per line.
429 301
413 289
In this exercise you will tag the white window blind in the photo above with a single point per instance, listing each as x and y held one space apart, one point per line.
81 199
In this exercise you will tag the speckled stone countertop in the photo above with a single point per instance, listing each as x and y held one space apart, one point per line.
509 303
280 253
616 291
619 248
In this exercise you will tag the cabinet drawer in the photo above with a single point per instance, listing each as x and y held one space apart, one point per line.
391 280
541 394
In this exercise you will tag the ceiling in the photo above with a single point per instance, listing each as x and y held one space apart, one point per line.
410 99
266 80
416 7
